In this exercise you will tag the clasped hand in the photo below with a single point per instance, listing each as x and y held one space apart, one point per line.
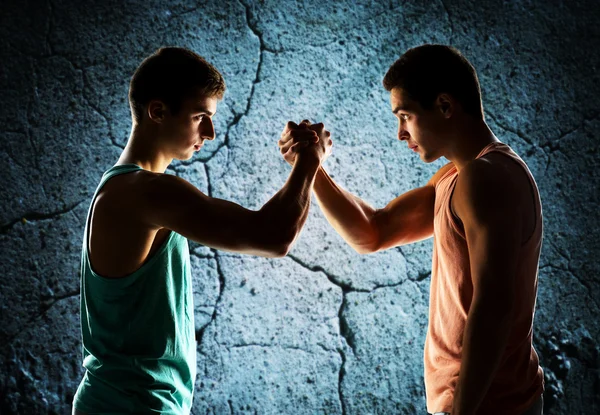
304 138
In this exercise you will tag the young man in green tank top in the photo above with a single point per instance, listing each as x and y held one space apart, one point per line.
136 295
484 213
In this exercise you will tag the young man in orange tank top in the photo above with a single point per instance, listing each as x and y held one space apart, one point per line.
484 213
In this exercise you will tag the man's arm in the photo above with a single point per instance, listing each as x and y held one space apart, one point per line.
489 208
408 218
173 203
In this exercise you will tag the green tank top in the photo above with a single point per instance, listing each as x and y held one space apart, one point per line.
139 348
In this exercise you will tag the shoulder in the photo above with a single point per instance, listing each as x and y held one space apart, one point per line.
485 188
135 190
439 174
482 171
160 188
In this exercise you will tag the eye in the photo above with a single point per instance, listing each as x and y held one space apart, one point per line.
199 118
404 117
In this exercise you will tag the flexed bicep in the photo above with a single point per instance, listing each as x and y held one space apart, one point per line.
409 217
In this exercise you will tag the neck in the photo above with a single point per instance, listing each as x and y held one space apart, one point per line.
142 149
468 142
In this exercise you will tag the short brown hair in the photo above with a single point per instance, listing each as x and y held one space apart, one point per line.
426 71
172 75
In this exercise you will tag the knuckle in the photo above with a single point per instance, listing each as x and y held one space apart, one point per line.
297 134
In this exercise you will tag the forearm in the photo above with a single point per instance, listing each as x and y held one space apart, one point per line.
284 215
484 342
349 216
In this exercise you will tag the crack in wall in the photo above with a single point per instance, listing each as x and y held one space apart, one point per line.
569 269
13 158
85 85
238 116
45 306
549 146
262 49
35 216
277 346
183 13
209 188
50 302
95 108
522 137
202 256
200 333
341 376
422 276
450 21
511 130
584 285
556 147
332 278
344 285
36 158
345 330
344 327
336 38
11 131
348 338
50 27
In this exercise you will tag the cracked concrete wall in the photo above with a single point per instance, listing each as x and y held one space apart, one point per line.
324 330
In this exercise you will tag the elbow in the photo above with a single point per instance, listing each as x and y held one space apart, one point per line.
363 250
281 251
369 243
273 237
367 248
498 308
272 250
280 245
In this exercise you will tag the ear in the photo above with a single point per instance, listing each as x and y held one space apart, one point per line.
446 105
157 111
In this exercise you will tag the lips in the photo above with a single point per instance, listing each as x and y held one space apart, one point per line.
413 148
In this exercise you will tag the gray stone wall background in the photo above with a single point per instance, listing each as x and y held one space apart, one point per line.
324 330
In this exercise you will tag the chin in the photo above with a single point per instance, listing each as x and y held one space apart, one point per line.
184 157
429 158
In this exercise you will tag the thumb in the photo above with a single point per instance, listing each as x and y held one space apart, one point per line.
298 146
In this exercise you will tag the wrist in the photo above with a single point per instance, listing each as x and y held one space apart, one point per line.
309 159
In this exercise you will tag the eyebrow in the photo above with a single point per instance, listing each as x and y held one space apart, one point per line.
202 109
399 108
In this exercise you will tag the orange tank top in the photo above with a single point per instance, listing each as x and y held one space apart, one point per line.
519 380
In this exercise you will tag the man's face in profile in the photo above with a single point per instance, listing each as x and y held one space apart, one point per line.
420 128
186 131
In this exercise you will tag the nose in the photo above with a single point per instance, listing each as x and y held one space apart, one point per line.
402 133
207 129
